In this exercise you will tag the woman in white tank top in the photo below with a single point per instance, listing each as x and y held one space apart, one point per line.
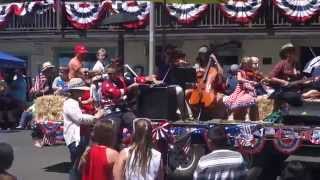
139 161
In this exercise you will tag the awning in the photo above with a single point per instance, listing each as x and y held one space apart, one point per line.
189 1
10 61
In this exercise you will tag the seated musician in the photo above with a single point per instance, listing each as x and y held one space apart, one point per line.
284 72
313 93
212 84
177 59
244 96
113 92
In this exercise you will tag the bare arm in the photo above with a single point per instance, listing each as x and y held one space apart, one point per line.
279 81
83 159
119 166
112 156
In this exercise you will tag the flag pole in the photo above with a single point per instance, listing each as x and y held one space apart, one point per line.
151 39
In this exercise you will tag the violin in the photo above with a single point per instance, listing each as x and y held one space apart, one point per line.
256 76
204 94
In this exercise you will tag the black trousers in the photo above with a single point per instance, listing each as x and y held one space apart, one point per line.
120 120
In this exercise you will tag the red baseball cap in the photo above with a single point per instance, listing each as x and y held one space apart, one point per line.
80 49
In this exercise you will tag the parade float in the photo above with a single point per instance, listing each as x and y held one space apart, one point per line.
48 118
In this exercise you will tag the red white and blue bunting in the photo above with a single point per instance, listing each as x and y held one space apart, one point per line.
140 9
85 15
186 13
287 141
241 11
22 9
298 10
251 139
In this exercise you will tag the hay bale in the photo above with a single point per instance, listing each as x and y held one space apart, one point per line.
49 108
265 106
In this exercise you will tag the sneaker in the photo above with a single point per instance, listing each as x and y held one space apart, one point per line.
38 144
19 127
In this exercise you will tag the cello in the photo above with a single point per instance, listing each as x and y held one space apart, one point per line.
204 94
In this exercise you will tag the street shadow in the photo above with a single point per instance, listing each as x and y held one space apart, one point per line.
63 167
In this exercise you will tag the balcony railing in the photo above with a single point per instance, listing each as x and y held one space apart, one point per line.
269 17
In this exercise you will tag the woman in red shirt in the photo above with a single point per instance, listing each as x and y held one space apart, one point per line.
97 161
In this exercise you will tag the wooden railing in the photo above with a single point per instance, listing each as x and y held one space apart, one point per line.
269 17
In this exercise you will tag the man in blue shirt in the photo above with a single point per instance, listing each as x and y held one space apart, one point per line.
18 87
60 82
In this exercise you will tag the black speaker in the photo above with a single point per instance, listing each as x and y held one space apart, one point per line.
157 103
307 114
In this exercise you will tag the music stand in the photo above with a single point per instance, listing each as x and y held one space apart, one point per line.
183 76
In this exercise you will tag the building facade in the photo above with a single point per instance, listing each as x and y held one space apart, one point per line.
50 37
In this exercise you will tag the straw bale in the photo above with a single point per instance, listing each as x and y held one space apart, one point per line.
49 108
265 106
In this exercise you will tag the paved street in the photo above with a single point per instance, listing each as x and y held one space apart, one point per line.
31 163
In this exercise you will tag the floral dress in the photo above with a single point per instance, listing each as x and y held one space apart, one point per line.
243 96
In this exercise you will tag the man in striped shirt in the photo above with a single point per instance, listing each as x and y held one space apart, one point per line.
221 163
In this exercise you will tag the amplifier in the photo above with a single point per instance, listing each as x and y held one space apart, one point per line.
307 114
157 103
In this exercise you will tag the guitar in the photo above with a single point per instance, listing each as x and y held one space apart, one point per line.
302 82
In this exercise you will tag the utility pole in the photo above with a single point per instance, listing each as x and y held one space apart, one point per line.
151 39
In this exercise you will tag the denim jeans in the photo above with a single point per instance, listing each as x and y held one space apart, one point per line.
25 118
77 151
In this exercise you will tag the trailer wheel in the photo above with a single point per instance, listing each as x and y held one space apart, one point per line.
183 166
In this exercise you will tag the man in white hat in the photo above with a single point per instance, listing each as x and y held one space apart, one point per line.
285 70
73 118
43 81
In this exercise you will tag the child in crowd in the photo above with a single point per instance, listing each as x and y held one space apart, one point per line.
98 160
140 161
6 159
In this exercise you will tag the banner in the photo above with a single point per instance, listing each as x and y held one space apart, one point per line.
186 13
140 9
85 15
298 10
241 11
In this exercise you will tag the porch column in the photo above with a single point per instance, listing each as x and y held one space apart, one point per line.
151 39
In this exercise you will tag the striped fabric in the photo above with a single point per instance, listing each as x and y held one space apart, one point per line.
221 165
40 83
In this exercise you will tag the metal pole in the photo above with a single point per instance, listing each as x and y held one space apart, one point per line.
151 39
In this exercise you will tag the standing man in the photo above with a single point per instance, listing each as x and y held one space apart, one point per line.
76 69
101 61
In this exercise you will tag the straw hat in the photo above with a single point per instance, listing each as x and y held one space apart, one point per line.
46 65
77 84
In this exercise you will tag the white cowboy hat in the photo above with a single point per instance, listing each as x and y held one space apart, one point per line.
286 47
46 66
203 49
77 84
